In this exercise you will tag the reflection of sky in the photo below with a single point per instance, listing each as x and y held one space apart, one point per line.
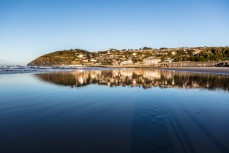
32 28
122 119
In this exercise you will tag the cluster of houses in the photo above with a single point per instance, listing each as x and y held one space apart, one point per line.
123 57
116 57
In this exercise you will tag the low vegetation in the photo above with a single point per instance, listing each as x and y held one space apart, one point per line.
142 56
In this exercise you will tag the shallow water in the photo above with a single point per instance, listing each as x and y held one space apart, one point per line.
114 111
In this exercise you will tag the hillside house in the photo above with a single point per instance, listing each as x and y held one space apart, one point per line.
196 51
127 62
150 60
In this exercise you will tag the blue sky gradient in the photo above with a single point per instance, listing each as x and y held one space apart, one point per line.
30 28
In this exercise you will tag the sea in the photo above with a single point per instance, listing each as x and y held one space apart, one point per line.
112 110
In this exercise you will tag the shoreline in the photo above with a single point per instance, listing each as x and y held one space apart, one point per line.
209 70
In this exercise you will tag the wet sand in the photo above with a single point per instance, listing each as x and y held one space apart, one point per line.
213 70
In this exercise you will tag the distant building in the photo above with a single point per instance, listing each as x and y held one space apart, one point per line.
93 60
128 62
173 53
150 60
85 61
80 55
197 51
169 60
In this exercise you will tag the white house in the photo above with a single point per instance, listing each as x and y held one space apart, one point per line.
151 60
81 55
128 62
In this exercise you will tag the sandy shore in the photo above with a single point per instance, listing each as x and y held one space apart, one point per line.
213 70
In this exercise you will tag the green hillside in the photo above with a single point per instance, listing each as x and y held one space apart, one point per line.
66 57
144 56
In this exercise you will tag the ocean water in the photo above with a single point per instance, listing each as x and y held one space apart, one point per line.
114 111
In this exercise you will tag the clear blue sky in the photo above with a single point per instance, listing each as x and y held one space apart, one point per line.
30 28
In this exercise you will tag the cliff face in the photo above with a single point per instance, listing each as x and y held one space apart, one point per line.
67 57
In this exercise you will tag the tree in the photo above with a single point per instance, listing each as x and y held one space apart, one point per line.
162 48
146 48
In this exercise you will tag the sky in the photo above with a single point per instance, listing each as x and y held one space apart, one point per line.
31 28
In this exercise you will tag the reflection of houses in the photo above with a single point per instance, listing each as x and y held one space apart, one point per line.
127 73
152 75
145 78
150 60
81 80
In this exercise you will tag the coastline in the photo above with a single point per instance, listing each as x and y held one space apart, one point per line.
211 70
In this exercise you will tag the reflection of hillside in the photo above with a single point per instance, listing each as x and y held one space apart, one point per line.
145 78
